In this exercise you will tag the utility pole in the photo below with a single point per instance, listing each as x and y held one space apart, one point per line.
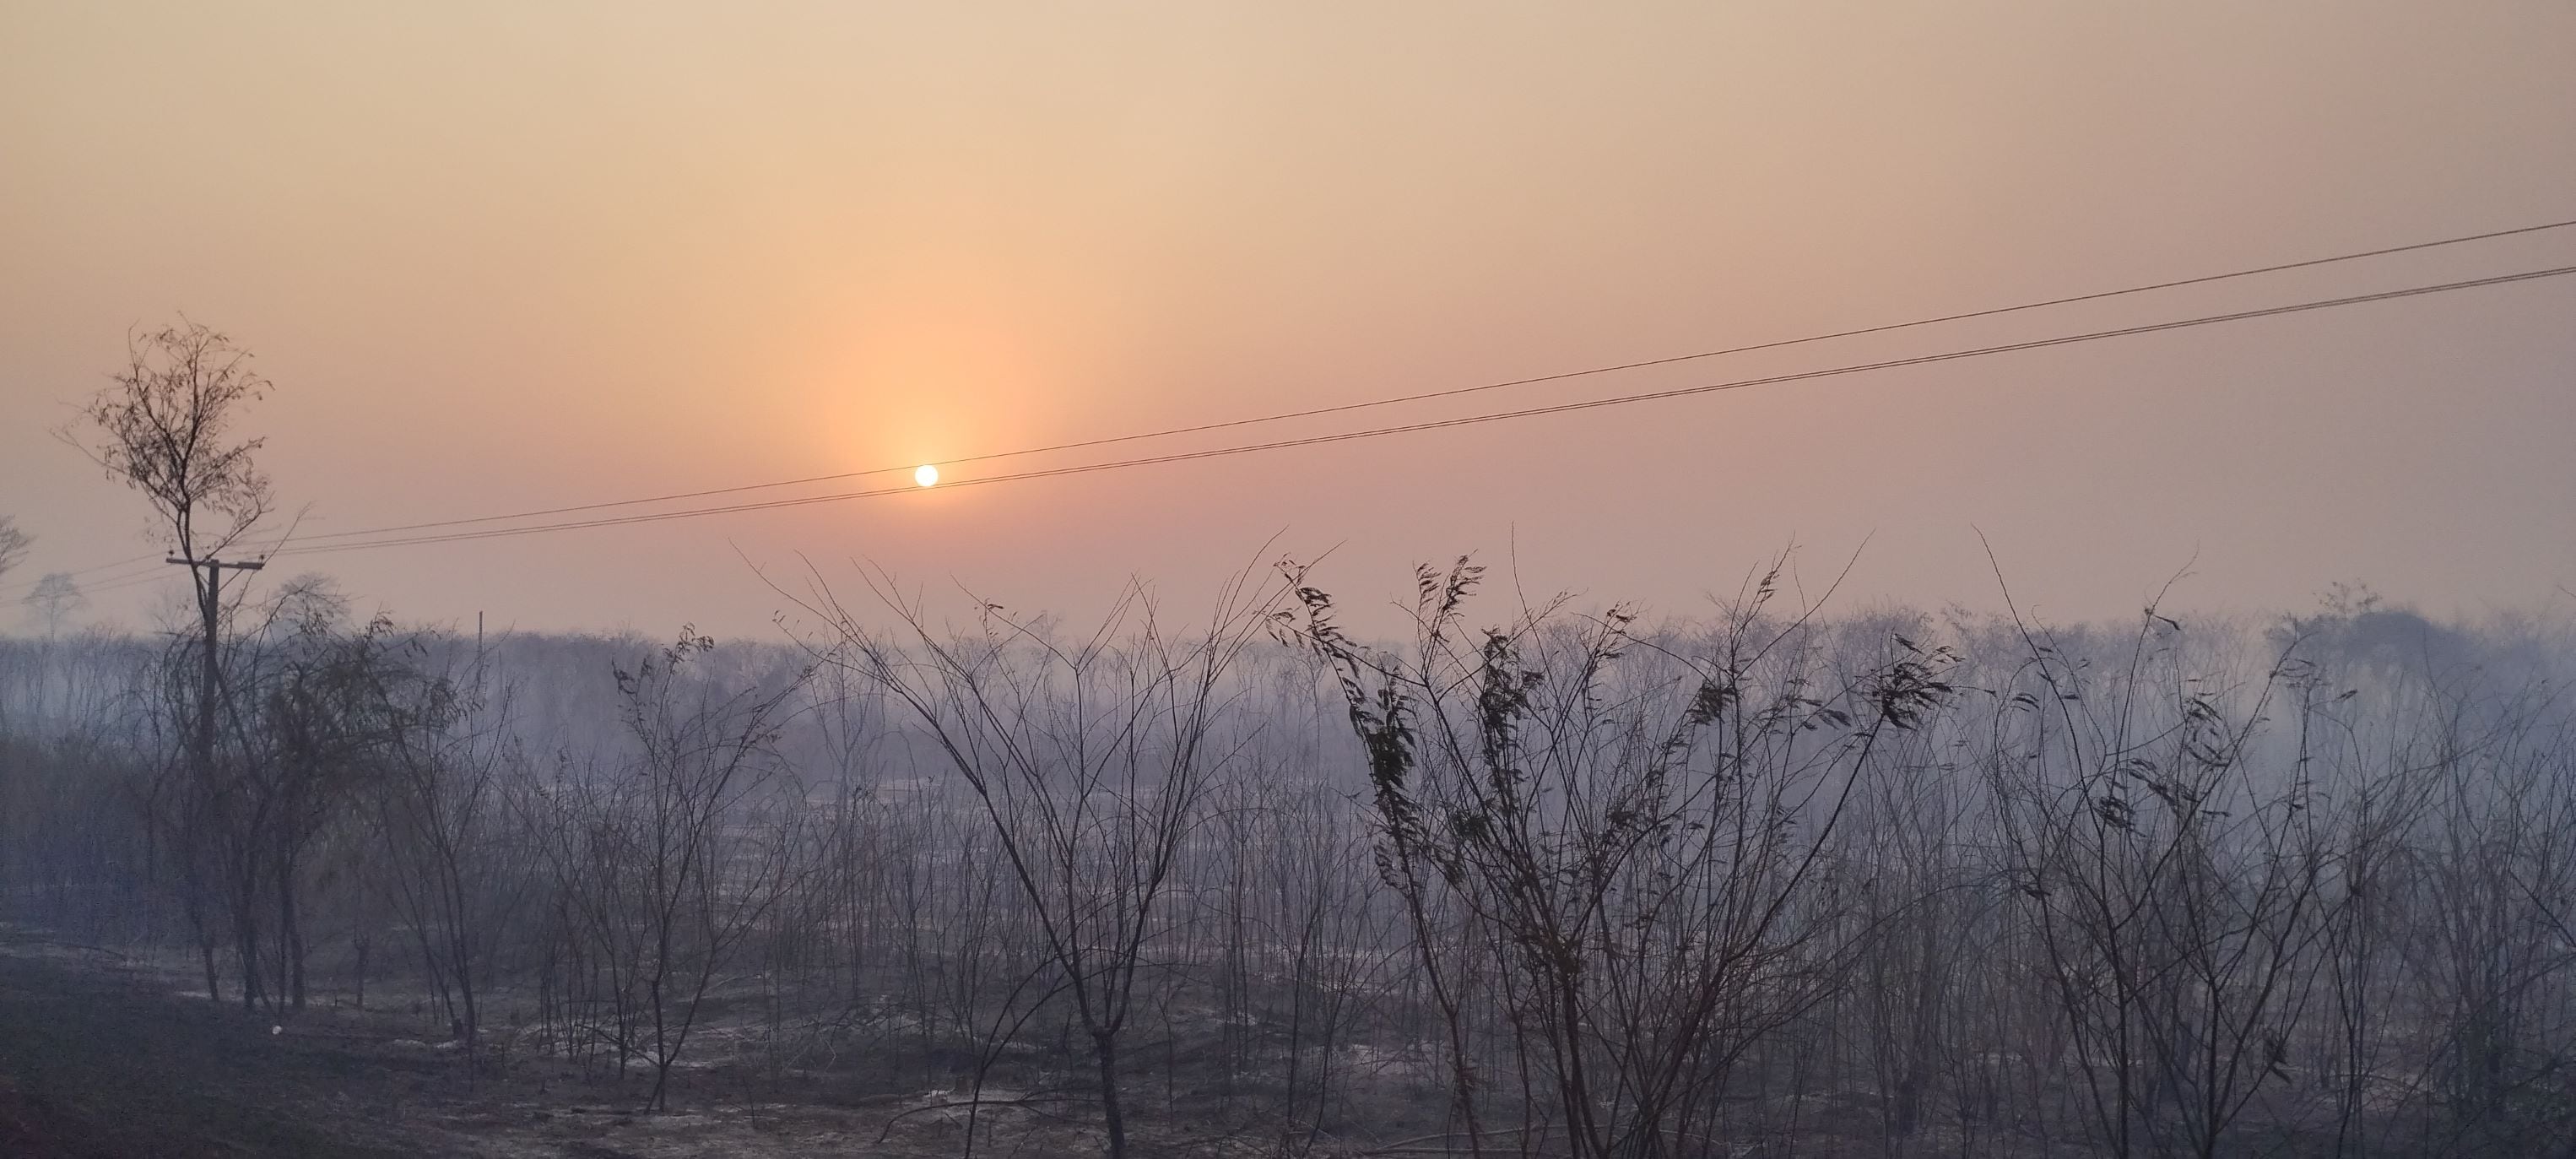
210 677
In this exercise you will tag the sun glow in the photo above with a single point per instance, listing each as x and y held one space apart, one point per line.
925 475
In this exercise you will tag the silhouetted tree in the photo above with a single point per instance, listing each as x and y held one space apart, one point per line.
13 544
164 429
55 599
671 864
1642 834
1092 759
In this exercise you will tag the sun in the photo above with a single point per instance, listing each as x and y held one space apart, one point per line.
925 475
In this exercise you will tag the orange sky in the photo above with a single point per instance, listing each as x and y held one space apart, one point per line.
508 256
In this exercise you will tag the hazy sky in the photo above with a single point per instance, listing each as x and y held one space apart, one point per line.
510 256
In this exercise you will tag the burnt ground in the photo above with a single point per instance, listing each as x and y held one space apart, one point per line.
105 1058
98 1062
108 1057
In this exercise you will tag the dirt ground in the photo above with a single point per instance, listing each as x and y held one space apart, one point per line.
102 1057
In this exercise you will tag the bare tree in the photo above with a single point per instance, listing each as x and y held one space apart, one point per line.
672 864
1091 758
310 711
1641 835
2180 885
165 429
55 599
13 545
447 865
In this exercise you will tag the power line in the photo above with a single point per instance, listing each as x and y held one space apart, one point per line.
140 579
117 565
133 575
1451 392
321 542
109 584
152 570
1467 420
